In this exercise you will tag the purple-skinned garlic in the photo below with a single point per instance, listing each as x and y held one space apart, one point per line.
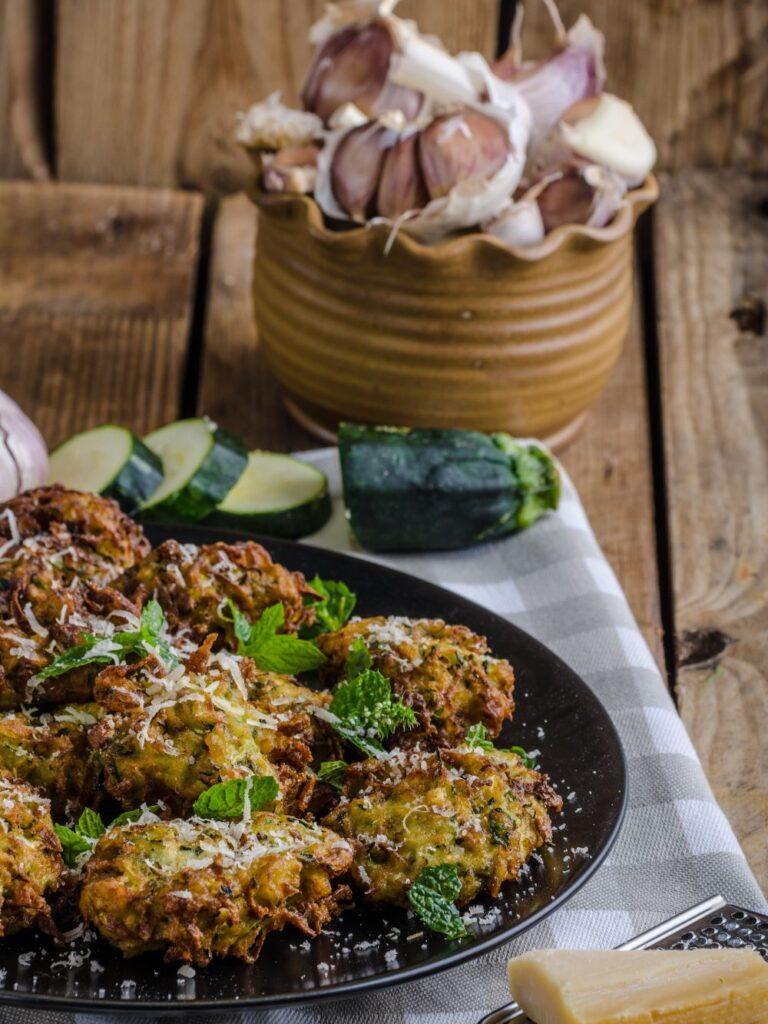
356 167
290 170
401 187
461 146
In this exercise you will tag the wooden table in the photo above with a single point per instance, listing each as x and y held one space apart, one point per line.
133 306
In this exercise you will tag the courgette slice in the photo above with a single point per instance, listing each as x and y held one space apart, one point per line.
422 490
107 460
276 495
201 463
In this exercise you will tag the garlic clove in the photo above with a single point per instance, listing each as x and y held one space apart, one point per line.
520 224
457 147
271 125
606 131
356 168
401 187
290 170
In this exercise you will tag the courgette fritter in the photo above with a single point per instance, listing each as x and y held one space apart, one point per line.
168 733
51 752
31 868
485 812
193 585
445 673
202 888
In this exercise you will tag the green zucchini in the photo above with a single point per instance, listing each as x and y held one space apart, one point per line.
107 460
201 463
423 490
276 495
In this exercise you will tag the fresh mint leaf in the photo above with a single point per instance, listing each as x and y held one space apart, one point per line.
152 622
367 711
524 756
477 737
73 845
332 609
89 824
433 896
332 773
128 816
358 659
226 800
273 651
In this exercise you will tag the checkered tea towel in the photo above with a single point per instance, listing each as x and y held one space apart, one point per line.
676 846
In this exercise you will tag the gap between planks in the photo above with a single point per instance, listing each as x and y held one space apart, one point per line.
610 462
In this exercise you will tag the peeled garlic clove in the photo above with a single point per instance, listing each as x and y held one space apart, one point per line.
520 224
352 67
356 168
290 170
459 147
401 187
271 126
606 131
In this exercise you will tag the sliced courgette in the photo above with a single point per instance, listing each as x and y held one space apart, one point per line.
107 460
278 496
422 490
201 464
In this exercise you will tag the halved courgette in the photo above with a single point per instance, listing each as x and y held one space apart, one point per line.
276 495
201 464
107 460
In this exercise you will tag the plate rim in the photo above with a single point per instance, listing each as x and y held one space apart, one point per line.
346 990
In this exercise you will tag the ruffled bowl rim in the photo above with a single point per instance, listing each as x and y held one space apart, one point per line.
306 208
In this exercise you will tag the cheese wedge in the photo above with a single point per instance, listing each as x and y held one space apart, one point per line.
702 986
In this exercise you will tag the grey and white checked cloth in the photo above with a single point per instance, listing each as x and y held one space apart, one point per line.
676 846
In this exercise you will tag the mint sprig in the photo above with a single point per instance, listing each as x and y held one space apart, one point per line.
366 711
225 801
332 609
106 650
332 773
88 829
433 896
273 651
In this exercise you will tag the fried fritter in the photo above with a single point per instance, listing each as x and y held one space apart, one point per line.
31 868
202 888
170 733
193 584
282 696
51 752
445 673
484 812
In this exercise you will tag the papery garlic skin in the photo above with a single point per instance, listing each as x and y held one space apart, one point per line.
337 16
271 125
520 225
348 115
612 135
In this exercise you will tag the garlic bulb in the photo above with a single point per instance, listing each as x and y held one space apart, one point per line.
606 130
23 455
271 125
290 170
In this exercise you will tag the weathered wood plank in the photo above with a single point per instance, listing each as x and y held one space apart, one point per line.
695 70
712 274
22 142
610 461
95 292
147 91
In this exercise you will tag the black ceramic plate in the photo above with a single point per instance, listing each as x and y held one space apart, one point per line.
366 948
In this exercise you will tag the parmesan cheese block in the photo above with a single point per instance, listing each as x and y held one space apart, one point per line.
717 986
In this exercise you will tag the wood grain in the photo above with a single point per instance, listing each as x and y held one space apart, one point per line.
695 70
712 274
610 461
22 136
147 91
95 302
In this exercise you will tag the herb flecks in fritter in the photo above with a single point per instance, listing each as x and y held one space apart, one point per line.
484 812
170 734
31 867
201 888
445 673
194 584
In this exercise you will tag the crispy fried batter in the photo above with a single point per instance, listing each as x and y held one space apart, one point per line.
193 585
484 812
169 734
202 888
281 695
51 752
31 868
445 673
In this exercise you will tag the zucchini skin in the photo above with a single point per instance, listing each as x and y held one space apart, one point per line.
141 475
429 490
288 523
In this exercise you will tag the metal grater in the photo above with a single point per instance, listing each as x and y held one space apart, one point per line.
713 924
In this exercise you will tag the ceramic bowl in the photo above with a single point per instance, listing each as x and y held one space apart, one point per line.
465 333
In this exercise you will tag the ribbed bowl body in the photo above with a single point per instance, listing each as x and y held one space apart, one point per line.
465 333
